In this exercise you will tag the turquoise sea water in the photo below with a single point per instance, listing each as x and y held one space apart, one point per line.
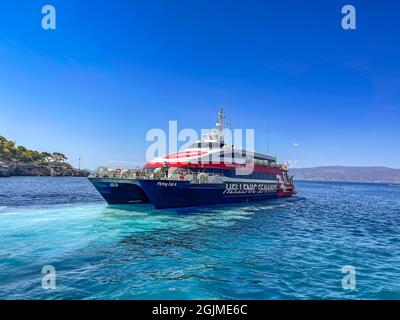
272 250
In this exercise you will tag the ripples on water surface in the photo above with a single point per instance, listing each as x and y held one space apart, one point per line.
272 250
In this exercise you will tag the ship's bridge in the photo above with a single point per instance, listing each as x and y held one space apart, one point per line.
213 149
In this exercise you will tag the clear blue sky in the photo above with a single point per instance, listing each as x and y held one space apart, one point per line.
115 69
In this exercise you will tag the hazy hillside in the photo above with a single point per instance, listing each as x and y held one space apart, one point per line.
354 174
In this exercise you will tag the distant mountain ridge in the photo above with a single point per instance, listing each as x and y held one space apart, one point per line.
347 174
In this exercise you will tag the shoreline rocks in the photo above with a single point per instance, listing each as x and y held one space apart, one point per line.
41 170
4 171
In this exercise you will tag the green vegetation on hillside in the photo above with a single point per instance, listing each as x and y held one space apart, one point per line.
10 153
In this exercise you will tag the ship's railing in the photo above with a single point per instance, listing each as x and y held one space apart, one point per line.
182 174
118 173
161 174
265 163
196 178
157 174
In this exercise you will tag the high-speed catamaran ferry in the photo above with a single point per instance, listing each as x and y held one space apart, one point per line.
207 173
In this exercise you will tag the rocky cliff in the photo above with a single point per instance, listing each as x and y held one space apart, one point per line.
4 171
19 161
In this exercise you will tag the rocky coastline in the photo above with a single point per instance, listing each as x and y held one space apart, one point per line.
41 170
17 160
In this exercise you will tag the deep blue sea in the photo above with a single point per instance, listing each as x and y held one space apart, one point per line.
271 250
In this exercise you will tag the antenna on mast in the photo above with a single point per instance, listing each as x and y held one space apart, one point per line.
221 115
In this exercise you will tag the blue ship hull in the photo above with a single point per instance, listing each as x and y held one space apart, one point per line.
119 191
173 194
